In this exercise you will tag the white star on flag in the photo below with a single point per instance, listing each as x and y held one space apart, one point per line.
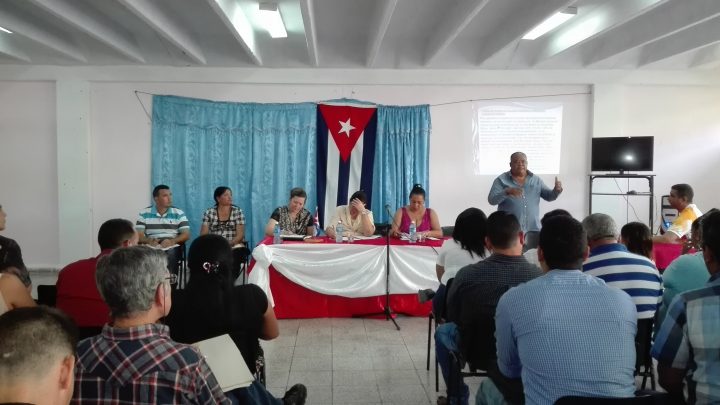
346 127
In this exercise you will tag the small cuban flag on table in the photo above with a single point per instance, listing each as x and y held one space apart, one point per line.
346 134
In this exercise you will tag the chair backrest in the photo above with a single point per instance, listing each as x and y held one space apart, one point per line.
576 400
47 295
448 230
643 343
477 338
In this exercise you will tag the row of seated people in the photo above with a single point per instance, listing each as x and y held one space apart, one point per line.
568 325
135 358
164 225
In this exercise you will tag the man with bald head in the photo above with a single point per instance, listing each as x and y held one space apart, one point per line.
518 192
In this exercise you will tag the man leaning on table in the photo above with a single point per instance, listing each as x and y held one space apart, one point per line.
161 225
355 217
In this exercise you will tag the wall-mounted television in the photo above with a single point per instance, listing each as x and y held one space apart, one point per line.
622 154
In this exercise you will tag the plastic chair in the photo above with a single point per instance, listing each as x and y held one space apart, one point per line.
47 295
643 344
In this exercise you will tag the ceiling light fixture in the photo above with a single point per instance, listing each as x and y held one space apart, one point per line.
551 23
271 19
5 30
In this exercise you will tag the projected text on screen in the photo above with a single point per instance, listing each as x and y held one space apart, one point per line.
501 128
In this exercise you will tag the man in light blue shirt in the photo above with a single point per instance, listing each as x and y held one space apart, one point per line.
518 192
565 333
687 346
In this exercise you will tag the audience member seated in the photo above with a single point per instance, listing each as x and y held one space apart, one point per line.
224 219
11 260
681 198
637 239
687 272
467 246
688 343
77 292
566 332
612 262
531 254
476 289
355 218
134 360
13 293
426 220
293 218
162 225
37 356
241 311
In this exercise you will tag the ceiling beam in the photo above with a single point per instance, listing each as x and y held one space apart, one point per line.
379 26
152 14
508 30
664 20
307 8
9 48
590 24
235 20
706 58
457 18
93 24
691 39
40 34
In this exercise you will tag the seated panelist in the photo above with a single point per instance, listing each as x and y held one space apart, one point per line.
426 220
293 218
355 218
224 219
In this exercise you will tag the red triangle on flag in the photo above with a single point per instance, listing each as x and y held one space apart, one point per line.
345 124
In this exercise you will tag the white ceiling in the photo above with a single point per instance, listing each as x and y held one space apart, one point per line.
366 34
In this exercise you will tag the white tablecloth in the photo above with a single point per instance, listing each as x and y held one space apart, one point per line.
347 270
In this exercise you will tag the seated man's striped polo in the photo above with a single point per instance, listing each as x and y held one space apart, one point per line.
166 226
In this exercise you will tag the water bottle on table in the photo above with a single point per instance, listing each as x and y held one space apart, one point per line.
339 232
413 232
276 235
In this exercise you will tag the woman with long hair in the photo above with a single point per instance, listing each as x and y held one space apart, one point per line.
211 306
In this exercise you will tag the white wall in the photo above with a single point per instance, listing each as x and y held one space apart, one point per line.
28 169
120 140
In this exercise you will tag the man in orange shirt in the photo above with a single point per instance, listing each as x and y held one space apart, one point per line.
77 293
681 197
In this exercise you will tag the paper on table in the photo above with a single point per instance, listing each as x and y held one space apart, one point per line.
361 237
225 362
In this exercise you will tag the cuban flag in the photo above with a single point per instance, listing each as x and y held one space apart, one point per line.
346 135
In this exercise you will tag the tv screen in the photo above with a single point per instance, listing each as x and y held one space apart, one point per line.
622 154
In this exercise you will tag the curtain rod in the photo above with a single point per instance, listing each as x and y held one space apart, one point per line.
137 92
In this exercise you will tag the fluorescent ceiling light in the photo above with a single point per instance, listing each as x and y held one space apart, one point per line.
271 19
5 30
551 23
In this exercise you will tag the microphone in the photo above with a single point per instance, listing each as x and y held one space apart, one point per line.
392 218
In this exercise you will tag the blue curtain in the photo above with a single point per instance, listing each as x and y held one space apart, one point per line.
260 151
401 156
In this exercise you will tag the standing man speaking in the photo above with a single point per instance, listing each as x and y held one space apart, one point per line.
518 192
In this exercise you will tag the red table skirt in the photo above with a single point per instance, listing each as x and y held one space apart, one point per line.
294 301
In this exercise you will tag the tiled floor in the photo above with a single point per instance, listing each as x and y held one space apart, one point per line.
358 361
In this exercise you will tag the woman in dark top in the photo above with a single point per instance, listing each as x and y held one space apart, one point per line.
292 218
211 306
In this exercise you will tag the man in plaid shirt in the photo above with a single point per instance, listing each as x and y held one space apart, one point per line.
687 346
134 360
